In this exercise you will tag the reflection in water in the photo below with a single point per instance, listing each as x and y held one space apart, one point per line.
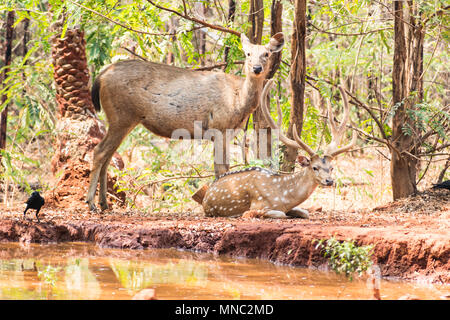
80 282
85 271
135 275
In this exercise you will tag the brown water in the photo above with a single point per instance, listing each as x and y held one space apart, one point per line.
85 271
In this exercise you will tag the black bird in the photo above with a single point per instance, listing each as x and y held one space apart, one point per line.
442 185
35 201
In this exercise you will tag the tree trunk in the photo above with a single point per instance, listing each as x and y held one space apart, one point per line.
8 52
201 9
79 130
256 18
274 63
172 26
298 73
230 18
276 25
26 38
407 86
263 133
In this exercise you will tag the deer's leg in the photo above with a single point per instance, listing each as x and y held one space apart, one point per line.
93 178
103 153
298 213
221 157
104 184
275 214
114 141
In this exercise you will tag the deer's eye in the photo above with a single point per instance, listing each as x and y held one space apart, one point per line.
315 169
248 54
266 55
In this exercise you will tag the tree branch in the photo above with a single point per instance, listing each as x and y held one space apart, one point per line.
134 53
220 65
360 103
436 13
120 23
199 21
383 140
129 28
348 34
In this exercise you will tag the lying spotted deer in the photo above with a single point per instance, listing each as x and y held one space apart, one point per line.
165 99
274 195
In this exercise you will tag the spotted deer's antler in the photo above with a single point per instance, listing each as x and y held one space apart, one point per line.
297 143
337 132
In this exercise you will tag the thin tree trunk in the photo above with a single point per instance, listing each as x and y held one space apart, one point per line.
276 25
172 25
26 38
442 173
230 19
256 18
298 73
406 79
200 35
274 64
8 53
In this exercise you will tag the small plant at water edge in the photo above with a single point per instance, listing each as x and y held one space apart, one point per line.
345 257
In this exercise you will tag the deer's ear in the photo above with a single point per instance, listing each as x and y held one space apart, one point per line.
245 42
276 43
304 161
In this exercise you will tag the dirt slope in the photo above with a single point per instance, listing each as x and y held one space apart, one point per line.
409 244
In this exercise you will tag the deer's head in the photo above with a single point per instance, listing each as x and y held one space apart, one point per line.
320 167
257 56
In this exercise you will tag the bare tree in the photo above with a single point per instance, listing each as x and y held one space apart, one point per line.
298 73
9 28
407 85
230 19
256 17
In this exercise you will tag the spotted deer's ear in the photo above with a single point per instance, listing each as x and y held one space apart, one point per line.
303 161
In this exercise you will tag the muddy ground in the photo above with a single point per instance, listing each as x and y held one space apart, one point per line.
411 237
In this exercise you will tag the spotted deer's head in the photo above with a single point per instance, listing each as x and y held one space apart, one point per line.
320 166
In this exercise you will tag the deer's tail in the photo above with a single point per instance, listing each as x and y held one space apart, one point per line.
200 194
95 94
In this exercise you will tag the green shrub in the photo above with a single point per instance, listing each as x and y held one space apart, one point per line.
345 257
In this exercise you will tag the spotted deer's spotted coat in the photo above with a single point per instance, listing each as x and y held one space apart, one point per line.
253 189
276 195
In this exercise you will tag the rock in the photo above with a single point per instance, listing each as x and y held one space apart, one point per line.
409 297
146 294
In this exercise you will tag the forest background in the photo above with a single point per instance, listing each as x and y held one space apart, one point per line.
390 56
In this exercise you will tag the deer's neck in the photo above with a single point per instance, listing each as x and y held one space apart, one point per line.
300 186
251 91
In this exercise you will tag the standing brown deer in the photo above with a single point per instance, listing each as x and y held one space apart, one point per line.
270 194
164 99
